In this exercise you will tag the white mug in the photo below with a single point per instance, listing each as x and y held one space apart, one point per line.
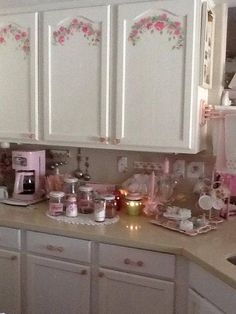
3 192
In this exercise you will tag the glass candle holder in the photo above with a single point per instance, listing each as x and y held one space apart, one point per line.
133 204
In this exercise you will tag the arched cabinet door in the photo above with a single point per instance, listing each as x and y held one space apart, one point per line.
76 68
158 45
18 77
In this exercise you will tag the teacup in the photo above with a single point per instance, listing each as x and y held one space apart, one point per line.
3 192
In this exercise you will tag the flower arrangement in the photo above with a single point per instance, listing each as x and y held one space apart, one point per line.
158 23
65 32
12 31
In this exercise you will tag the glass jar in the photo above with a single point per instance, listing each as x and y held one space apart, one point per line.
70 186
56 203
71 206
85 200
111 205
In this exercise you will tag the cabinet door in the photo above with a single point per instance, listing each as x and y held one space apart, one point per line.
156 107
18 77
10 301
76 74
199 305
132 294
57 287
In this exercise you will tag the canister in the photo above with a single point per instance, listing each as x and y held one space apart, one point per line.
56 203
85 199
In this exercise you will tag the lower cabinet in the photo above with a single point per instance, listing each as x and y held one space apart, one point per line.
119 292
10 286
135 281
57 287
199 305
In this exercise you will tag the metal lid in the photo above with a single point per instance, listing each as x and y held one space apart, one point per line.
71 180
134 197
85 188
108 197
56 194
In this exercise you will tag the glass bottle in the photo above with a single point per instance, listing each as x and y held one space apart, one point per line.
56 203
85 199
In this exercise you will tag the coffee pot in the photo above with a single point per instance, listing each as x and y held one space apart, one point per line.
24 182
29 169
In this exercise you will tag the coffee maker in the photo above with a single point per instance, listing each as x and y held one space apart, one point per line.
29 169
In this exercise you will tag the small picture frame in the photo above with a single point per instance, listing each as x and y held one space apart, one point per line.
207 46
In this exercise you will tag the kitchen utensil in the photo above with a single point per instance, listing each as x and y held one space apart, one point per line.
78 172
86 175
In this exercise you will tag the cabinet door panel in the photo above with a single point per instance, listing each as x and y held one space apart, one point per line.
199 305
76 74
18 76
155 74
10 282
132 294
57 287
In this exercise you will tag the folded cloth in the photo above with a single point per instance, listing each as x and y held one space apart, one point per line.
230 142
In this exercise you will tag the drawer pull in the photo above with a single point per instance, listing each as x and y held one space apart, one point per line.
127 261
140 263
52 248
83 272
101 274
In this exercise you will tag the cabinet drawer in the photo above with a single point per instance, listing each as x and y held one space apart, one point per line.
138 261
10 238
58 246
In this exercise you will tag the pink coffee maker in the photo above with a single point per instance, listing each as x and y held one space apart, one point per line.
29 177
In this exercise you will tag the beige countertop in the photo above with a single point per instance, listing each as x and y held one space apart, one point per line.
208 250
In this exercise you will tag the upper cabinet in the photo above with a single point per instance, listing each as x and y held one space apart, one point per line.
156 86
120 76
19 77
76 69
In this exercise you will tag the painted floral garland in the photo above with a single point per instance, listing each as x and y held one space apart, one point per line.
15 33
157 23
64 33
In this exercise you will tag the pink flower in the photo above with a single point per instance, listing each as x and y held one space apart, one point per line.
149 25
2 40
85 29
23 34
177 32
61 40
177 24
74 22
159 25
61 29
17 37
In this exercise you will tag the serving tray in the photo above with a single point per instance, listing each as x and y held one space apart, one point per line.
174 225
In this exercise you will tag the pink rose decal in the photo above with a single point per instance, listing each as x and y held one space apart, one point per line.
13 32
77 26
158 23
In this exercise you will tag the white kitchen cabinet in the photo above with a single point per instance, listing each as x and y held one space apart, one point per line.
19 77
57 280
215 294
199 305
120 292
157 82
127 281
10 265
57 287
76 68
10 289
